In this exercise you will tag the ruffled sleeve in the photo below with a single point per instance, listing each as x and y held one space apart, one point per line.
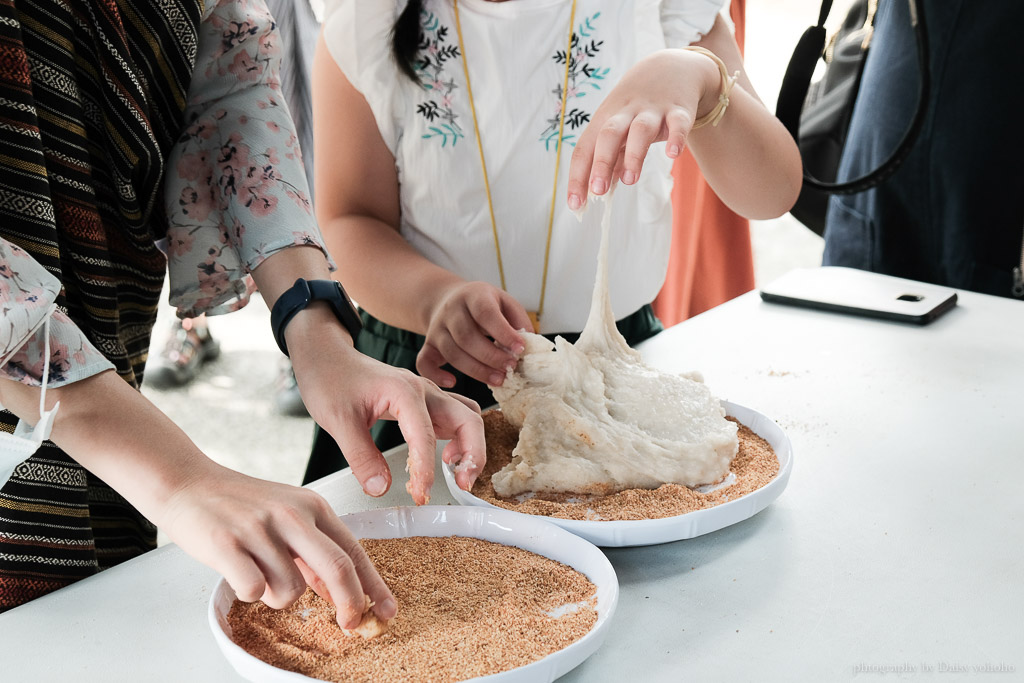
27 295
687 21
236 190
358 36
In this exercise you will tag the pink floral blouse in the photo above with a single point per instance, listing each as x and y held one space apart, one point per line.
236 189
235 193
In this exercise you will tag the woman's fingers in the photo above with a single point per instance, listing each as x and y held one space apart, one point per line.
416 424
336 566
464 449
381 392
254 560
655 100
502 324
468 465
610 140
472 333
466 401
430 363
644 131
483 336
679 122
314 581
271 540
466 363
241 572
478 353
451 453
370 581
334 569
579 168
518 319
285 583
598 159
367 463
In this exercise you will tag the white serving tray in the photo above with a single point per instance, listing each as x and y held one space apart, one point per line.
499 526
617 534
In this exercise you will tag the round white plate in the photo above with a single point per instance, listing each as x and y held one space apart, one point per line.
499 526
617 534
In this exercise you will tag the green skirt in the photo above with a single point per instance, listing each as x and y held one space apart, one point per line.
399 348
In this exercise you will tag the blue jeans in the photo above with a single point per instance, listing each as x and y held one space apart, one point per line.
953 213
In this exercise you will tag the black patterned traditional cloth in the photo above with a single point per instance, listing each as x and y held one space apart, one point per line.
92 95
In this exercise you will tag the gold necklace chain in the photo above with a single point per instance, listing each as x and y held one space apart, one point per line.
534 315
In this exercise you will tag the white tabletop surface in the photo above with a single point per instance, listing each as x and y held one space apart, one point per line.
897 546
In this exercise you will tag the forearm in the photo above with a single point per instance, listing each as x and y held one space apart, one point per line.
767 182
749 158
318 328
116 433
360 213
386 275
278 273
253 532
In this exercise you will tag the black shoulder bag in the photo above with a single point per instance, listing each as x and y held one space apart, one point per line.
818 115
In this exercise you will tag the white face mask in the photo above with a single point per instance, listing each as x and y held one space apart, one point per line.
18 447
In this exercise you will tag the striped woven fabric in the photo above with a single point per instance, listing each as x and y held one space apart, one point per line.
91 99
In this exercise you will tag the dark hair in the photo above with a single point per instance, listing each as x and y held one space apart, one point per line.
405 38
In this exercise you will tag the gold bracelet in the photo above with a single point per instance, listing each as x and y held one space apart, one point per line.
715 115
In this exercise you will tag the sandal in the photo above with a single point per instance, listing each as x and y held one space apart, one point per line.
189 347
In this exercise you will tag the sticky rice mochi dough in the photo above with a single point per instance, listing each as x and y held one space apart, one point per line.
595 419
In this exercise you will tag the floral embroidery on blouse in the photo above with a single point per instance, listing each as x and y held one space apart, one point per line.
583 74
236 189
433 53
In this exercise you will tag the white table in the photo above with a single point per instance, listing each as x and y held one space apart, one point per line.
898 542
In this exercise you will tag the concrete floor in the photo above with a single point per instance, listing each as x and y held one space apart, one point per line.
228 411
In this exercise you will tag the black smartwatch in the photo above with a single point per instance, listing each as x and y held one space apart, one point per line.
304 292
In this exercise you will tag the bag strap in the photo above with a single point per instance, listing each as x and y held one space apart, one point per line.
798 79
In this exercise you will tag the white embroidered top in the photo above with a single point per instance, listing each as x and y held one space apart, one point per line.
516 57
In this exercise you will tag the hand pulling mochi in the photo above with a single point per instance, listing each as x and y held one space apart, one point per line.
594 419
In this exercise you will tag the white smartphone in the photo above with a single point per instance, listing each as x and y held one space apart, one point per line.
848 290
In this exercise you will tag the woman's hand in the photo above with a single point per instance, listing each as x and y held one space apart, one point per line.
346 392
474 327
270 541
749 159
658 99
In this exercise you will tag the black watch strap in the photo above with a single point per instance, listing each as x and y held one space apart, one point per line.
304 292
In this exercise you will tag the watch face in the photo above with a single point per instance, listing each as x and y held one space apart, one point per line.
345 296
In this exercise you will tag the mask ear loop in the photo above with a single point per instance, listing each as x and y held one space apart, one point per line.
46 364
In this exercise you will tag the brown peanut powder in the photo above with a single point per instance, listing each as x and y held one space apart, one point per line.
754 465
466 608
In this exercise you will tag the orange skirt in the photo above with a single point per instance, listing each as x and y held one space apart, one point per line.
711 260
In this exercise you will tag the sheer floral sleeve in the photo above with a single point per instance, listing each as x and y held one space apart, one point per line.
27 295
236 189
